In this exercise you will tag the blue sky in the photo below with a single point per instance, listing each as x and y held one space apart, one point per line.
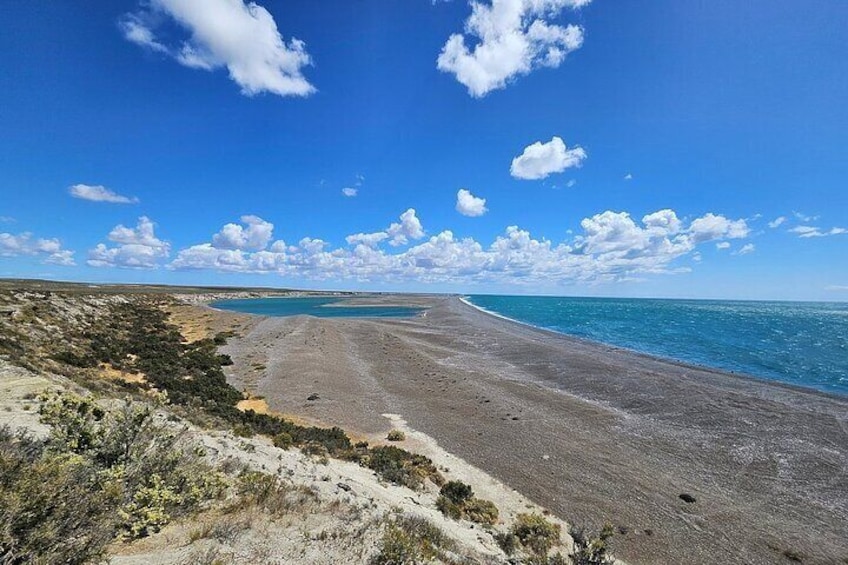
622 148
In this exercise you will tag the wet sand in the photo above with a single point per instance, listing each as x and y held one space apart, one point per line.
594 433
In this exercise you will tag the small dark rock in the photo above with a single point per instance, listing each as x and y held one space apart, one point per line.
344 487
313 396
648 531
623 530
687 498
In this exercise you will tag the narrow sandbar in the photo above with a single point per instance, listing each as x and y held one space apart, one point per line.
594 433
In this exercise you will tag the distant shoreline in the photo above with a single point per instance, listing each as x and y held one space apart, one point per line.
659 358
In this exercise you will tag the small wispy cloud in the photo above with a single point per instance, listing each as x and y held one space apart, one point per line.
777 222
746 249
814 231
628 176
99 193
800 216
7 220
723 245
350 192
837 287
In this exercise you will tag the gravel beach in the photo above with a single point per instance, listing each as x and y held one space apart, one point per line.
594 433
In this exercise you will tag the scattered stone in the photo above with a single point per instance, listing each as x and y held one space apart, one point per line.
687 498
313 396
344 487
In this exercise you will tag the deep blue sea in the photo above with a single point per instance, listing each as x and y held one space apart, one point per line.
319 307
801 343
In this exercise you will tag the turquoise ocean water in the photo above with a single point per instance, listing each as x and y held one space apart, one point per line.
319 307
801 343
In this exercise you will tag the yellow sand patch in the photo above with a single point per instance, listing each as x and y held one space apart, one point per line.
109 372
258 405
197 322
194 323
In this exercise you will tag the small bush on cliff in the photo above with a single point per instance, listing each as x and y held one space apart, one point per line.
396 435
535 533
402 467
54 507
456 500
410 540
100 474
591 550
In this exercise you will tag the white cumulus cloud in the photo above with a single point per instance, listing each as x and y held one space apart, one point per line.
611 247
24 244
508 38
137 248
255 233
243 37
99 193
540 160
711 227
408 228
469 205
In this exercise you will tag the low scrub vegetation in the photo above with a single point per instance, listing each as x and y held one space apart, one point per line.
410 540
591 550
456 500
536 534
100 475
138 338
396 435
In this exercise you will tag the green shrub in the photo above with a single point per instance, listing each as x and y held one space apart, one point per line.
535 533
242 430
508 542
271 494
144 464
53 507
410 540
457 501
456 491
396 435
449 508
402 467
73 420
283 440
481 511
398 548
590 550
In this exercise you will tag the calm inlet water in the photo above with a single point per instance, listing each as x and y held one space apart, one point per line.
800 343
319 307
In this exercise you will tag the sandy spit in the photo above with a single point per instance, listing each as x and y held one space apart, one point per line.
594 433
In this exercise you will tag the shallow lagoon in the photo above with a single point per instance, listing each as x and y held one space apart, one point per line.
321 307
